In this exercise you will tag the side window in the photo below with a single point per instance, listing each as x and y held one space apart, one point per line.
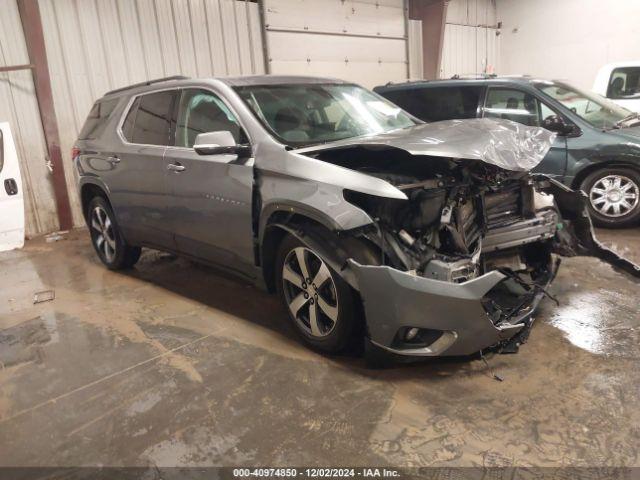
439 103
545 112
201 111
514 105
96 121
624 83
1 150
152 119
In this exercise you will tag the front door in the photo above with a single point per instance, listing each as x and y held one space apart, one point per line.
11 200
523 107
209 206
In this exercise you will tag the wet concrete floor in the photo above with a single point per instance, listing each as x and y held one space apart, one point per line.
175 364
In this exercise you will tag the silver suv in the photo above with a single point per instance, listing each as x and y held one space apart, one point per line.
424 239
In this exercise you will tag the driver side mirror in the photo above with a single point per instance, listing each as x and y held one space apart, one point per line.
555 123
220 143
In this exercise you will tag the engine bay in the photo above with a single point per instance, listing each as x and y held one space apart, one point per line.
463 218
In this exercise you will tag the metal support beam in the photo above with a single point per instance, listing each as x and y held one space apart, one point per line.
263 31
433 14
15 68
34 39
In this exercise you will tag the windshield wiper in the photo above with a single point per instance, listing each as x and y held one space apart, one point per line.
631 116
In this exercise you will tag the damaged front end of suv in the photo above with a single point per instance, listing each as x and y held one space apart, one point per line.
460 258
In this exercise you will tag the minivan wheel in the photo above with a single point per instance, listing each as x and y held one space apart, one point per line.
107 240
614 197
319 302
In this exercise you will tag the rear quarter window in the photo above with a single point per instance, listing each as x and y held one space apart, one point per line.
438 103
97 119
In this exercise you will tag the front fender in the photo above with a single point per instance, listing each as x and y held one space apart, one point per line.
322 202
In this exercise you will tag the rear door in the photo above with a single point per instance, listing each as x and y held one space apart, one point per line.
138 171
210 207
11 199
523 107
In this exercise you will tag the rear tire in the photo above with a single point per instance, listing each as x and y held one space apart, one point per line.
320 305
614 197
106 237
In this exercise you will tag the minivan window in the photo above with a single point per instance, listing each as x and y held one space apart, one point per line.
624 83
152 119
597 110
438 103
201 111
97 119
515 105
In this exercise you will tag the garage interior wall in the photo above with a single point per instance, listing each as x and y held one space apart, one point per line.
364 41
570 39
471 38
19 107
98 45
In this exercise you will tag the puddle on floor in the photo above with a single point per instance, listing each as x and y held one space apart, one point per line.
603 323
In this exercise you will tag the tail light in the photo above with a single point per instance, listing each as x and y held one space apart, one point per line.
75 151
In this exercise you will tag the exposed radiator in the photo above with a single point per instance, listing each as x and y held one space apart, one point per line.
504 207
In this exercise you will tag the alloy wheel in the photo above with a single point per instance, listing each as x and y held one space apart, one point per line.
614 196
104 236
310 292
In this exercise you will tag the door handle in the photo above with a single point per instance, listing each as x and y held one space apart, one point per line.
176 167
113 160
11 186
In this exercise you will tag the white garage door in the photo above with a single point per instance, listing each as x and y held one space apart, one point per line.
363 41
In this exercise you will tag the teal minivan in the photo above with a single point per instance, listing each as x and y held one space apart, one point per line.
597 148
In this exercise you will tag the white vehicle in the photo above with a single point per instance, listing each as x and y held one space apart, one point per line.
620 82
11 200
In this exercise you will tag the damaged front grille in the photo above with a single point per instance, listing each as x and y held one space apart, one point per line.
503 207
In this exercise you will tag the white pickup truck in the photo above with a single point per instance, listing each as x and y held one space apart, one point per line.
620 82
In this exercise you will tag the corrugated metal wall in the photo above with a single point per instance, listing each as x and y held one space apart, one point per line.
471 44
19 107
364 41
97 45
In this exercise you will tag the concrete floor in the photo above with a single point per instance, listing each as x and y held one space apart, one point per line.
174 364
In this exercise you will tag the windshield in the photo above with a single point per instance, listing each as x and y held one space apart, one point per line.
597 110
301 115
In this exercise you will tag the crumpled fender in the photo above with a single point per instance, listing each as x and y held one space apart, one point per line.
577 237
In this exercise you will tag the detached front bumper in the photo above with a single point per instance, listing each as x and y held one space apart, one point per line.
395 301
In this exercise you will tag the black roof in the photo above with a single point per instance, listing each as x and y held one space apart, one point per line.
451 82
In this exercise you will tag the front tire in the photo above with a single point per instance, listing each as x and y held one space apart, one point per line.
614 197
106 237
320 304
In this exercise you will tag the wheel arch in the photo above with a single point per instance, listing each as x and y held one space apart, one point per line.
89 190
333 245
594 167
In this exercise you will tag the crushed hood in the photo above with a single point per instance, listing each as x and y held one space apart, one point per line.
503 143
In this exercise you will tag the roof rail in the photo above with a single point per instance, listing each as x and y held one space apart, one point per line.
148 82
470 76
